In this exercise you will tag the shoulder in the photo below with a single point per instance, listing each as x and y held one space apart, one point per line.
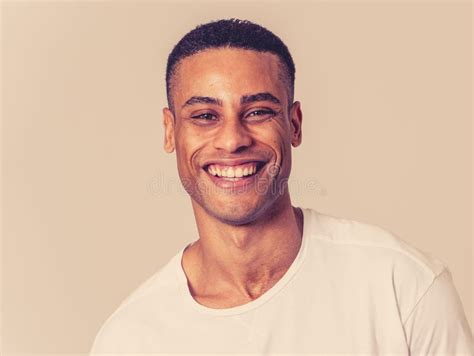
371 239
134 324
375 257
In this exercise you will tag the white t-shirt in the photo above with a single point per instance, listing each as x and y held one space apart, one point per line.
353 289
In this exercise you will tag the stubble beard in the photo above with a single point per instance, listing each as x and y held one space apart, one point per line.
243 213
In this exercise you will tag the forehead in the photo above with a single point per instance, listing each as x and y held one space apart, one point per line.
220 71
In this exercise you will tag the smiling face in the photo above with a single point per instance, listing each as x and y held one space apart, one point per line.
233 131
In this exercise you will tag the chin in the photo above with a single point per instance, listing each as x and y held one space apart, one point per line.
235 219
238 214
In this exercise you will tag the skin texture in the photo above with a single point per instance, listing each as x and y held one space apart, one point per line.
249 236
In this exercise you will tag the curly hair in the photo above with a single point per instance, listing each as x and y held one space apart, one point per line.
232 33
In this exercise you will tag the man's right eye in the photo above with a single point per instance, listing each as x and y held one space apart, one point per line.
205 116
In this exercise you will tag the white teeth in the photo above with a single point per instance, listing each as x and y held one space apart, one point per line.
231 172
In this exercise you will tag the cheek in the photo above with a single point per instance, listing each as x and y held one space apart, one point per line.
187 147
277 137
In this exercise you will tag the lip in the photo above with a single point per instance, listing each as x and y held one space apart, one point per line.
232 162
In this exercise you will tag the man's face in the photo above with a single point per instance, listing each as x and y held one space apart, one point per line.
232 130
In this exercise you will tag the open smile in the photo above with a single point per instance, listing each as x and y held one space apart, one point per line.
234 176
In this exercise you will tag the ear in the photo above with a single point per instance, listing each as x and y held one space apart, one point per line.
168 123
296 119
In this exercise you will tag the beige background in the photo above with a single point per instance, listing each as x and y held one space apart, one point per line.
92 205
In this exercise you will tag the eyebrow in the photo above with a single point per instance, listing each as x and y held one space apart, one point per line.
202 100
244 100
259 97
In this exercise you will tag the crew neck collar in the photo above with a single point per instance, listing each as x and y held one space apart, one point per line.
185 294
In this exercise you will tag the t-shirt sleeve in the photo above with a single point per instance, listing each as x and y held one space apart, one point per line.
123 338
437 325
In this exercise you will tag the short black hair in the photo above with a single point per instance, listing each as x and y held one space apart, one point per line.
233 33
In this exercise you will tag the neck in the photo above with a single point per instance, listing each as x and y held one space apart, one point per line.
242 262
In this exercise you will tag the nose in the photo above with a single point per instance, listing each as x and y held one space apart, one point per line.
232 136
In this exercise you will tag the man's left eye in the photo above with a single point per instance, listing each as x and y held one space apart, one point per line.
261 113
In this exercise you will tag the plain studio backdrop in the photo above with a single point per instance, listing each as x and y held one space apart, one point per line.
92 205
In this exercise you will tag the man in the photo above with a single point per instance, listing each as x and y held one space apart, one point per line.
265 277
